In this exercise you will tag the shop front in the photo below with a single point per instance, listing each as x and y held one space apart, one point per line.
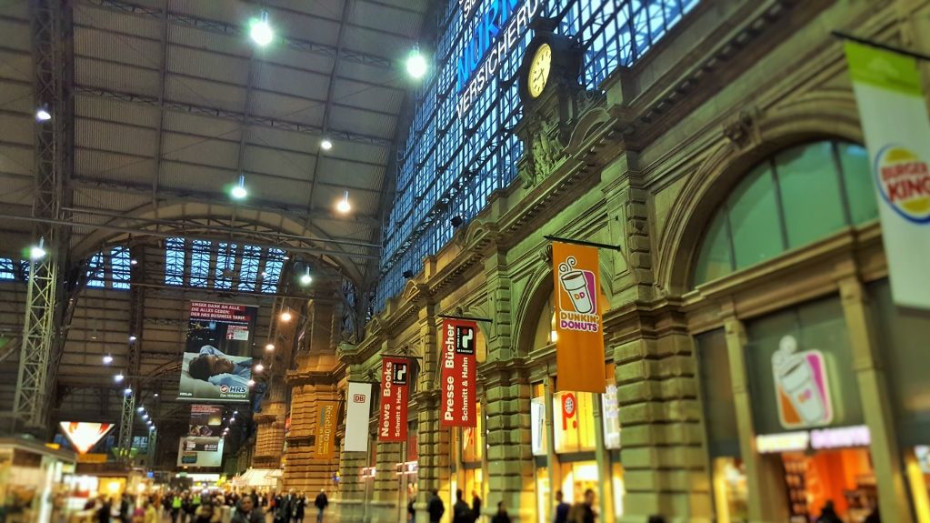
585 436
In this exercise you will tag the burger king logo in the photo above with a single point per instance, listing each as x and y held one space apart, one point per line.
903 178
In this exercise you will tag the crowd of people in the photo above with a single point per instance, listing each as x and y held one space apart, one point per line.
201 506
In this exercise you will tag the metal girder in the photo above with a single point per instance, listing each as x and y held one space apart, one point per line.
136 313
52 52
127 416
259 121
227 29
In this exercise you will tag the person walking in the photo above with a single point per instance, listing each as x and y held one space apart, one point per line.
321 502
476 506
561 508
461 512
501 516
300 509
828 514
436 508
247 512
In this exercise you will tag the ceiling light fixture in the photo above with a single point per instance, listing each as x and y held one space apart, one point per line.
305 278
37 252
259 367
118 378
326 144
286 316
141 409
269 347
133 262
145 416
132 338
107 359
128 391
416 64
260 30
343 205
239 192
42 114
251 383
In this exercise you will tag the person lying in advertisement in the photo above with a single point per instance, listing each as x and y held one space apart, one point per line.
217 369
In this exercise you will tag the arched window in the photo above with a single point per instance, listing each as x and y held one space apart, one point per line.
792 199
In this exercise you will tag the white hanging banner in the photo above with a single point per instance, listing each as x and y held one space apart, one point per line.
897 134
358 408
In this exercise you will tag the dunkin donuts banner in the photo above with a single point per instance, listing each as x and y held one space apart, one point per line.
897 133
458 373
394 376
579 350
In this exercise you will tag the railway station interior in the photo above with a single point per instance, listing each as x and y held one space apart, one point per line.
571 260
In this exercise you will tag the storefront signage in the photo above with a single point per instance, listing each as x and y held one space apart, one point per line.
610 412
458 376
82 435
580 338
818 439
326 430
498 30
409 467
393 423
801 386
538 426
358 408
894 120
367 472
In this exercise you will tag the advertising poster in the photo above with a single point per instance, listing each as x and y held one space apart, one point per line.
206 421
200 452
897 133
393 422
82 435
217 364
326 430
579 350
458 375
358 408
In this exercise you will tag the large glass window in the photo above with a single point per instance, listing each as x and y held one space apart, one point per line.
792 199
221 265
450 163
109 269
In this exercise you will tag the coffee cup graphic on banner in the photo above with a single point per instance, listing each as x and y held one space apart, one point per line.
801 386
579 285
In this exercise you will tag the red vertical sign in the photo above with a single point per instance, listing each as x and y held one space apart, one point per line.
394 376
458 373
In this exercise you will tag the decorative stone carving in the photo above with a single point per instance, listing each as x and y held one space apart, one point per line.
743 129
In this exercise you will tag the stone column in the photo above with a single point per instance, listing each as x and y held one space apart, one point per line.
627 226
314 380
663 455
764 477
509 452
269 436
877 409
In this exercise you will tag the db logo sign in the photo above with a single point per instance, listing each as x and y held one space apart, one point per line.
224 388
358 398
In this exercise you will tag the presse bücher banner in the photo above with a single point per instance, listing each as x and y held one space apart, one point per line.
458 376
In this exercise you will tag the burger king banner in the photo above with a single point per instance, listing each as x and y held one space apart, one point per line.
458 373
579 349
897 133
393 423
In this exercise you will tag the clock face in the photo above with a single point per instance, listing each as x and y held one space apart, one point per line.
539 70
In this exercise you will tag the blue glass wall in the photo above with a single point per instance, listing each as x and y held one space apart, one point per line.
449 165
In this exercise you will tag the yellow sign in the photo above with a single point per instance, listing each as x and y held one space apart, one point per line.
326 430
579 353
92 458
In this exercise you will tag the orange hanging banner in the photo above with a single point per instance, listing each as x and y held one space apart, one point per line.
326 430
579 349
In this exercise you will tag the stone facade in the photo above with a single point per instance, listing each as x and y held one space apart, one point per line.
643 167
